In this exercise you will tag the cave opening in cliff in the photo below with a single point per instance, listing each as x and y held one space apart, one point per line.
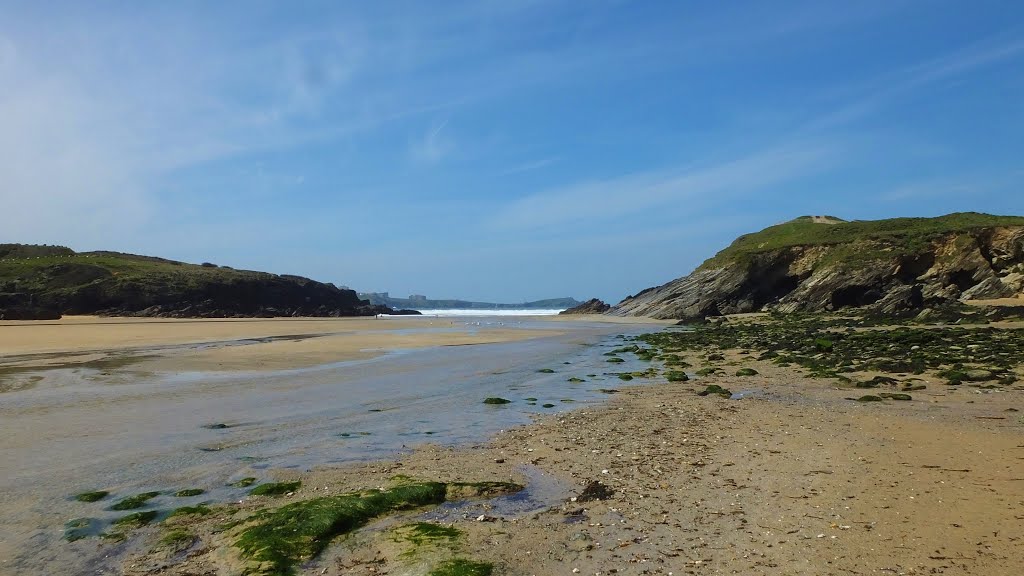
963 279
711 310
770 290
855 296
912 267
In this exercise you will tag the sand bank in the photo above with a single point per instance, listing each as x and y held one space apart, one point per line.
238 344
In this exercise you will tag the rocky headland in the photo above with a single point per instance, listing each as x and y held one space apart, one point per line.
592 306
44 282
822 263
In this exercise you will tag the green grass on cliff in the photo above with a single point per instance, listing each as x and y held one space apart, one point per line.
89 281
862 239
57 271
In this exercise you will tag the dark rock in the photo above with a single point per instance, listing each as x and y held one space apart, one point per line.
404 312
592 306
595 490
29 313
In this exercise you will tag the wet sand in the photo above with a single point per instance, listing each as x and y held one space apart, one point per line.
188 404
790 479
238 344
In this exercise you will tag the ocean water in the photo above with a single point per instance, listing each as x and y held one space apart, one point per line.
489 313
83 429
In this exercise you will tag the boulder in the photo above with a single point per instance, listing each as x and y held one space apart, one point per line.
592 306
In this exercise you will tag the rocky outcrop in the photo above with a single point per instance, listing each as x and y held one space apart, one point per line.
592 306
21 306
28 313
404 312
113 284
886 266
265 296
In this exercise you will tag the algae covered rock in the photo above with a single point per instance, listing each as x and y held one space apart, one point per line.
716 390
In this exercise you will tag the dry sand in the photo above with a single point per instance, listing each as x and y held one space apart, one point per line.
234 344
794 479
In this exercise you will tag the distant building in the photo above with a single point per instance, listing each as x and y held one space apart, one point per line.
417 298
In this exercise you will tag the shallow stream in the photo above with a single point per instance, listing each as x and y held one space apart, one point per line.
85 429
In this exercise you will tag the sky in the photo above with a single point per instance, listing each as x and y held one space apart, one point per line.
498 150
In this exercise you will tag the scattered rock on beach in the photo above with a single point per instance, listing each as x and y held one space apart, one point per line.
595 490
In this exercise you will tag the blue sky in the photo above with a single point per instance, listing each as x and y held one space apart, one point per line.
501 150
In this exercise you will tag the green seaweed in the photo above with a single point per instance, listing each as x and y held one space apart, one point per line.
465 490
132 502
420 533
275 488
81 528
178 538
278 539
547 405
462 567
243 483
746 372
546 371
576 380
189 492
676 376
615 360
892 396
716 390
92 496
198 510
496 400
137 519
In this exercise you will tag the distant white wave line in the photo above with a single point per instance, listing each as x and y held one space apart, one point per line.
480 312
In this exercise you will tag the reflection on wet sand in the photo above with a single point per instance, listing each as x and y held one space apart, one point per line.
111 420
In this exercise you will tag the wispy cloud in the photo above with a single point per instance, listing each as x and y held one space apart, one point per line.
434 145
883 91
676 189
529 166
963 186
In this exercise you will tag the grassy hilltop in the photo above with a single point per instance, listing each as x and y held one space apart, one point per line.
57 278
866 238
822 263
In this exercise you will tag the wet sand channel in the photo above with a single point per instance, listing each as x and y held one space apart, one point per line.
121 420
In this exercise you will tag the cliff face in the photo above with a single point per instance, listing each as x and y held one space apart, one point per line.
592 306
821 264
109 283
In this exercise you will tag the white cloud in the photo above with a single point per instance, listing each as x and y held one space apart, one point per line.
434 145
677 190
530 166
882 91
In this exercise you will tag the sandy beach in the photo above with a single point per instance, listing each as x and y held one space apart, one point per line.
792 479
234 344
789 476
